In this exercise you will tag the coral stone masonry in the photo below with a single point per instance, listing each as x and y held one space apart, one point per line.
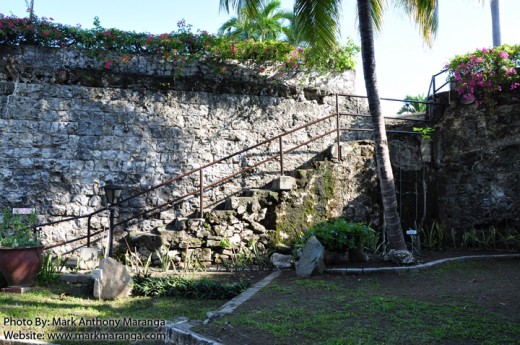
68 126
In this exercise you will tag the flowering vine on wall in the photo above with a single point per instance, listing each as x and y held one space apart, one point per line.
480 76
113 46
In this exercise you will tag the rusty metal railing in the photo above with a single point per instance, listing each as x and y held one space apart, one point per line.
282 151
433 89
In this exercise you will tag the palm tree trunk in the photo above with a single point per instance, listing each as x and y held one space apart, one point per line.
386 178
495 20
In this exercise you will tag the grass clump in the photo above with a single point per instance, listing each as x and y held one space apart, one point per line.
182 287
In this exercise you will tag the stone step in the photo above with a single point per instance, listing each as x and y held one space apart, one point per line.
264 196
283 183
87 259
239 203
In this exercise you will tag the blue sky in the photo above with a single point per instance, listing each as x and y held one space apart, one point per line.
404 64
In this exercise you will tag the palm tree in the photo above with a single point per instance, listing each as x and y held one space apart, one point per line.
266 23
412 107
238 27
292 34
495 20
318 22
30 8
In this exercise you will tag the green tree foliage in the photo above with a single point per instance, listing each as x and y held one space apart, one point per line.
268 23
411 106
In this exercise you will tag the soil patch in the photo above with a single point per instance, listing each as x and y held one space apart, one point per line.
475 302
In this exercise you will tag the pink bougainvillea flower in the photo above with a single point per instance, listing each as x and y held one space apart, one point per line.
108 64
503 55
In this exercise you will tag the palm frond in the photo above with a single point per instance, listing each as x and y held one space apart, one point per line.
250 6
424 13
318 21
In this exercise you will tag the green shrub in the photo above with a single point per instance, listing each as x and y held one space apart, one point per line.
112 46
16 230
341 235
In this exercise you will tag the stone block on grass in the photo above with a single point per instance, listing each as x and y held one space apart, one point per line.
311 259
116 281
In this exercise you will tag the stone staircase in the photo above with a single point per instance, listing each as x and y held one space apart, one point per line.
262 220
258 218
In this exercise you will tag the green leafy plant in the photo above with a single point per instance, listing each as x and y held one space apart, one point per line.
178 286
341 235
52 265
136 263
260 258
192 261
17 230
341 58
243 257
113 46
166 261
426 132
412 105
435 236
508 238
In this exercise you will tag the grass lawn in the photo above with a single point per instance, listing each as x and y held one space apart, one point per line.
51 312
463 303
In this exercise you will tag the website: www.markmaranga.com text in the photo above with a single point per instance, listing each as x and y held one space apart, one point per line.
86 336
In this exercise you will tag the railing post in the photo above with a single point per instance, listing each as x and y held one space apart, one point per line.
111 232
201 192
433 100
337 128
88 231
282 172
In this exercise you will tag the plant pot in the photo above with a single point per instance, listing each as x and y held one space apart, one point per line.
20 266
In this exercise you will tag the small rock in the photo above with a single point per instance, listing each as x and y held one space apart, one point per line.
88 258
281 261
401 257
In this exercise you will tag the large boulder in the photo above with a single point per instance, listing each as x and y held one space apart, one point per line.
311 259
115 282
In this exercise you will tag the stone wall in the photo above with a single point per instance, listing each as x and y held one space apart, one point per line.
477 165
263 219
67 126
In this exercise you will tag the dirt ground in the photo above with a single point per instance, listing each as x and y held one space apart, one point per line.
491 286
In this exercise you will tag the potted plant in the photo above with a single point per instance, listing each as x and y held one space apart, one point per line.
340 236
20 248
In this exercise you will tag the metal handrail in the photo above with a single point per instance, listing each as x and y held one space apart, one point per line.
433 89
202 188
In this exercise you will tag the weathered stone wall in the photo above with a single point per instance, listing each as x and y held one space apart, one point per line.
67 126
477 165
262 218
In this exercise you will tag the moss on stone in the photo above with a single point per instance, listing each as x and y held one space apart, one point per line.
308 205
